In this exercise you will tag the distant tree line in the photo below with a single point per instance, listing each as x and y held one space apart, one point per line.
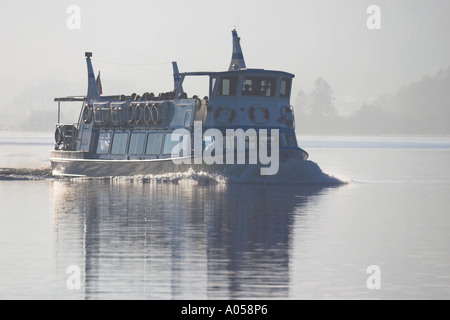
422 107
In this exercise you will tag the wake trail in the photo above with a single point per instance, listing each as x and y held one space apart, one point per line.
25 173
291 172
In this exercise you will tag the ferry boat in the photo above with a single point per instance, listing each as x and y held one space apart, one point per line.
128 135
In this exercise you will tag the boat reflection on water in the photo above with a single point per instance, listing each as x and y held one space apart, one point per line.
185 240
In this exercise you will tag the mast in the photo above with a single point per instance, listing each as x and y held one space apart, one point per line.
92 93
177 80
237 58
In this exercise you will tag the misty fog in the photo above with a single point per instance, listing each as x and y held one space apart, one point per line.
421 107
349 79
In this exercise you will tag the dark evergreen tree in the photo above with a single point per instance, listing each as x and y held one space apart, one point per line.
321 100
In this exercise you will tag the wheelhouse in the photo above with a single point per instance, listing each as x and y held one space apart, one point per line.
247 98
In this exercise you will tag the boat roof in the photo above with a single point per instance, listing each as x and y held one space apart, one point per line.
236 72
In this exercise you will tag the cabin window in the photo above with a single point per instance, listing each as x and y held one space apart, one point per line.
169 144
104 141
97 115
154 143
137 143
212 83
227 86
285 89
259 86
119 145
187 119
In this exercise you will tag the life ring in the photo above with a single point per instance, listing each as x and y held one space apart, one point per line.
138 114
59 136
287 116
220 110
262 120
130 113
154 114
87 114
148 114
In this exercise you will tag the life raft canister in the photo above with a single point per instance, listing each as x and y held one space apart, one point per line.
221 119
263 111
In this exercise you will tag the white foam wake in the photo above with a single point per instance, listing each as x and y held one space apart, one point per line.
25 174
189 175
293 171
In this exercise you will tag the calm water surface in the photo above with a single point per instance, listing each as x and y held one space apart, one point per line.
199 238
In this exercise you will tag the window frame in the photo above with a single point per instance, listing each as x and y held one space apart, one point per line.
146 151
256 86
134 134
188 113
101 150
212 84
168 138
288 88
232 89
123 143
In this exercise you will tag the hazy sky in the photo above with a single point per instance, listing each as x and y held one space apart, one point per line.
308 38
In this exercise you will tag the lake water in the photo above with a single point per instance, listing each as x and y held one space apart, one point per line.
198 237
